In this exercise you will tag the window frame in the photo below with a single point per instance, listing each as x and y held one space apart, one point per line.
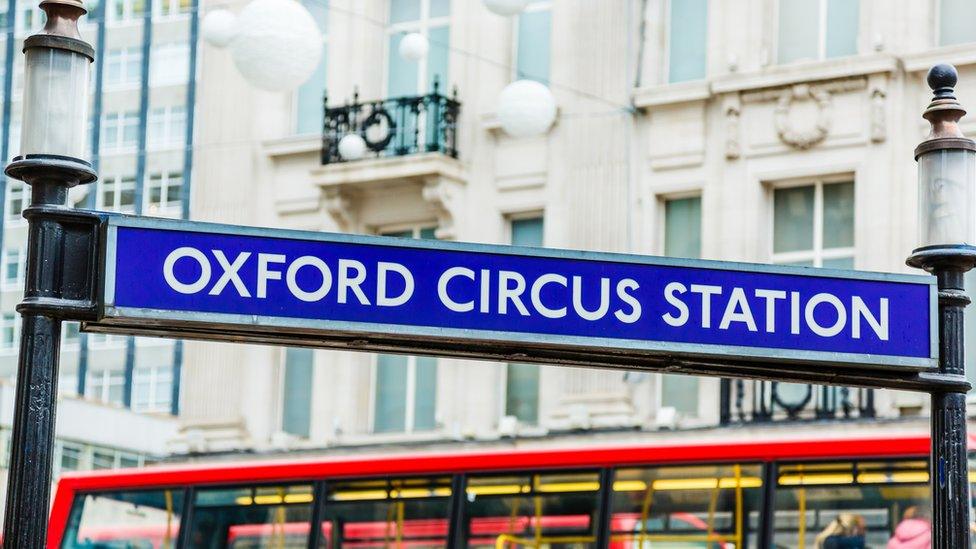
16 190
821 35
107 378
164 208
666 61
117 189
661 209
422 25
532 7
18 282
157 375
817 253
127 81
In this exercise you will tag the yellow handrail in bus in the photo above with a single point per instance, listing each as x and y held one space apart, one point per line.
738 505
645 511
802 529
711 508
167 539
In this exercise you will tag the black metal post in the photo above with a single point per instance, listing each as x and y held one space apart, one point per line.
58 285
946 162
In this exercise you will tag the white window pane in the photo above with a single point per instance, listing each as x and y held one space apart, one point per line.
309 99
680 393
437 58
682 227
793 219
956 22
838 222
296 415
799 26
425 395
842 25
391 394
440 8
402 75
522 392
687 40
532 57
404 10
527 232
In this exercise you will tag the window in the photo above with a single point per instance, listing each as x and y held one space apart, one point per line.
259 516
296 407
104 341
170 64
29 19
308 99
106 386
813 225
687 40
166 127
354 509
17 200
532 45
431 19
682 238
152 388
405 394
863 500
134 518
118 193
13 268
681 505
509 507
123 67
171 8
120 130
9 329
164 194
682 227
522 380
125 11
817 29
955 22
71 456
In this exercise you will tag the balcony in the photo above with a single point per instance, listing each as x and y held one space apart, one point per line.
751 402
398 126
411 159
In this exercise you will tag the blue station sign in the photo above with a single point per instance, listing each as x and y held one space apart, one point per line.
402 294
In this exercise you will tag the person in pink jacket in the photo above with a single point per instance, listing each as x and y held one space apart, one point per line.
913 532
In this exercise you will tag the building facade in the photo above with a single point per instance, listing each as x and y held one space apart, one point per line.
770 131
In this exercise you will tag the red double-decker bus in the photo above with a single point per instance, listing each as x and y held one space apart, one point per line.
783 494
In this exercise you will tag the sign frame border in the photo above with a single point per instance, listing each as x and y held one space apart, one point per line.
109 315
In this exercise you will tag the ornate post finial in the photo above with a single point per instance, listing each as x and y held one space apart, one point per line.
945 110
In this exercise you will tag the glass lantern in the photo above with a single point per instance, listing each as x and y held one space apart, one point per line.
55 102
947 197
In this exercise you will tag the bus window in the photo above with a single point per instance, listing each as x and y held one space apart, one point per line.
532 510
854 503
699 506
130 520
253 517
408 512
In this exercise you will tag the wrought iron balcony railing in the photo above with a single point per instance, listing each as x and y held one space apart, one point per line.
765 401
394 127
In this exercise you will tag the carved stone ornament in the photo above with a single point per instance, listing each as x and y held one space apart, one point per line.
339 206
733 111
803 138
440 193
879 127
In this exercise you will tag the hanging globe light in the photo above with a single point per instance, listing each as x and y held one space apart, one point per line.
526 108
506 7
352 146
414 47
278 44
219 28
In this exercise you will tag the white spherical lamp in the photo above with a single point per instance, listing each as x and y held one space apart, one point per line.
506 7
352 146
526 108
278 44
414 47
219 28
